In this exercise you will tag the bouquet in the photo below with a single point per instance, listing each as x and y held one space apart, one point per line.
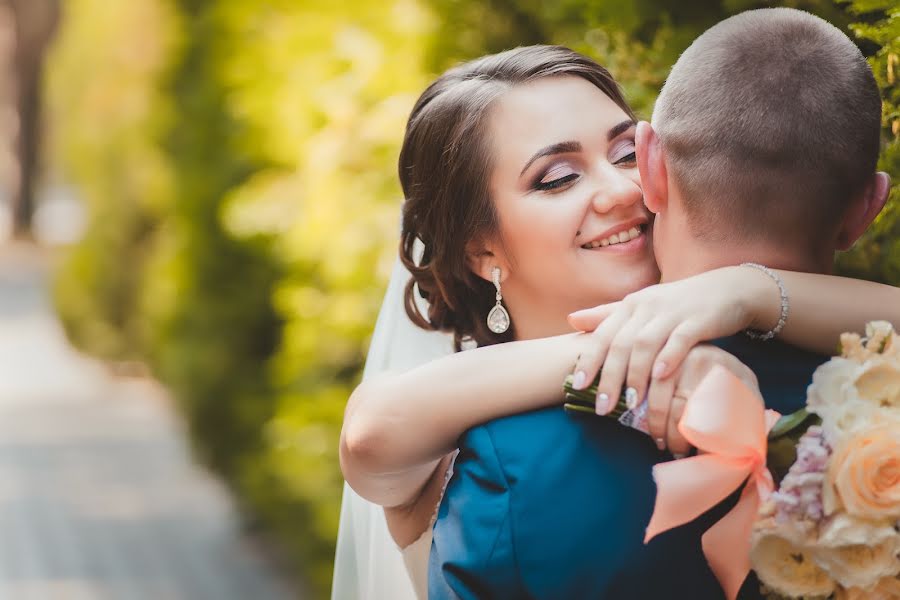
827 525
833 525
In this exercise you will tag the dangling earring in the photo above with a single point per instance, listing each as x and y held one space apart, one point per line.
498 318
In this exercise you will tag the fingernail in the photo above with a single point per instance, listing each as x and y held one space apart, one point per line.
679 455
659 369
578 380
602 404
631 398
660 443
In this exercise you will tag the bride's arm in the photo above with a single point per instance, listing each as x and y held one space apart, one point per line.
651 331
398 426
822 307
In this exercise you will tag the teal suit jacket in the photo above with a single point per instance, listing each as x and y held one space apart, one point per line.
551 505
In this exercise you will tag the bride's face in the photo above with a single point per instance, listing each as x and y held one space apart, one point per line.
574 231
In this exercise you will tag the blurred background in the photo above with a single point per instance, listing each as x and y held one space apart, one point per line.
199 211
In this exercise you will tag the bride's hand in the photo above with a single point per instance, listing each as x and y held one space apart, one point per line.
666 398
650 332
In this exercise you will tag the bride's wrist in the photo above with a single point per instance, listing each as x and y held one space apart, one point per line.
759 302
766 290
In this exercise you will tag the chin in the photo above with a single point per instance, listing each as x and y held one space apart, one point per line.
633 282
612 280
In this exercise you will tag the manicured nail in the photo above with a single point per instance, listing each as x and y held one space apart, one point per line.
659 369
631 398
578 380
602 404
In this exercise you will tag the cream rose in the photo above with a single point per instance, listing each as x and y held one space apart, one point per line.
860 565
832 385
846 530
887 588
785 568
864 474
856 552
879 383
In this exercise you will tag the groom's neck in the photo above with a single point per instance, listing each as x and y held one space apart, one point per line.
690 256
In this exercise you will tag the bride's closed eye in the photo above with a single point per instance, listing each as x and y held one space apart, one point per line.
555 178
625 155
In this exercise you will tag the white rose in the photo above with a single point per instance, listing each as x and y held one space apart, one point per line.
832 385
879 383
834 397
846 530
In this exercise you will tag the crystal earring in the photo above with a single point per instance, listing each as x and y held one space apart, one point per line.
498 318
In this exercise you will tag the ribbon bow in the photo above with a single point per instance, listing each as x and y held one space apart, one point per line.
727 423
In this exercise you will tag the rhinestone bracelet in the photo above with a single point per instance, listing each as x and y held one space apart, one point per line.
785 306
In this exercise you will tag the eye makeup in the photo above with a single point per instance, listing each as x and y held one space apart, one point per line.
555 177
624 153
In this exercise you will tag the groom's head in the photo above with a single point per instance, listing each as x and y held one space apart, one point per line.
765 137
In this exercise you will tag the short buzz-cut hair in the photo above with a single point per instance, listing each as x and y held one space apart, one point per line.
770 122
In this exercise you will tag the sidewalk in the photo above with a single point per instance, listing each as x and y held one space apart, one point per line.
99 499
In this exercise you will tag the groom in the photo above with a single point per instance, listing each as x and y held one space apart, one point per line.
762 149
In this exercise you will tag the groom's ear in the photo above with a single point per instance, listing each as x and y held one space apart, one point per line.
652 167
864 210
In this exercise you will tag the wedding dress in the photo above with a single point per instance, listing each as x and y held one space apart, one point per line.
368 564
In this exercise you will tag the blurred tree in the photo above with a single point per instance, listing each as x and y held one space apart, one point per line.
104 131
323 92
209 325
35 23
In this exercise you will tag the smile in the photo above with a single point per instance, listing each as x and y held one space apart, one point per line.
617 238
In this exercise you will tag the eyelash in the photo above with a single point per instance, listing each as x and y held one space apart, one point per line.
631 157
558 183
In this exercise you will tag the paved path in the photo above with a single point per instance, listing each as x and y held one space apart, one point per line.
99 499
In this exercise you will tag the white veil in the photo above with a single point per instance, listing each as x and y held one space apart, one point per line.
368 565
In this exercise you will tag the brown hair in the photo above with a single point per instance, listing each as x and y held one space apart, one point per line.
445 168
770 122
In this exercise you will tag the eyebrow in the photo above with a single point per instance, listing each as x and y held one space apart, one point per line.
571 146
620 129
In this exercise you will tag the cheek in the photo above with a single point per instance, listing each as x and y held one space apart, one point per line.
540 230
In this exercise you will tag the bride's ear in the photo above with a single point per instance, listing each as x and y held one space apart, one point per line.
483 256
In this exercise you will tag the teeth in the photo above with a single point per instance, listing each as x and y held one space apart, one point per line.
616 238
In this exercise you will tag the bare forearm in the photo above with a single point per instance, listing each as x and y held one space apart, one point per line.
398 425
824 306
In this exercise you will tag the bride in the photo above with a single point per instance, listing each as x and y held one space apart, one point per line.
479 232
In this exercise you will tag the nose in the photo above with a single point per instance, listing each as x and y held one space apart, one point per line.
616 188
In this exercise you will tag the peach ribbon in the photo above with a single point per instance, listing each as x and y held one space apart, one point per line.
728 425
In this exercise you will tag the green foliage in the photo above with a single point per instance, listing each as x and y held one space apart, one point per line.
238 159
877 255
247 288
104 129
339 82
